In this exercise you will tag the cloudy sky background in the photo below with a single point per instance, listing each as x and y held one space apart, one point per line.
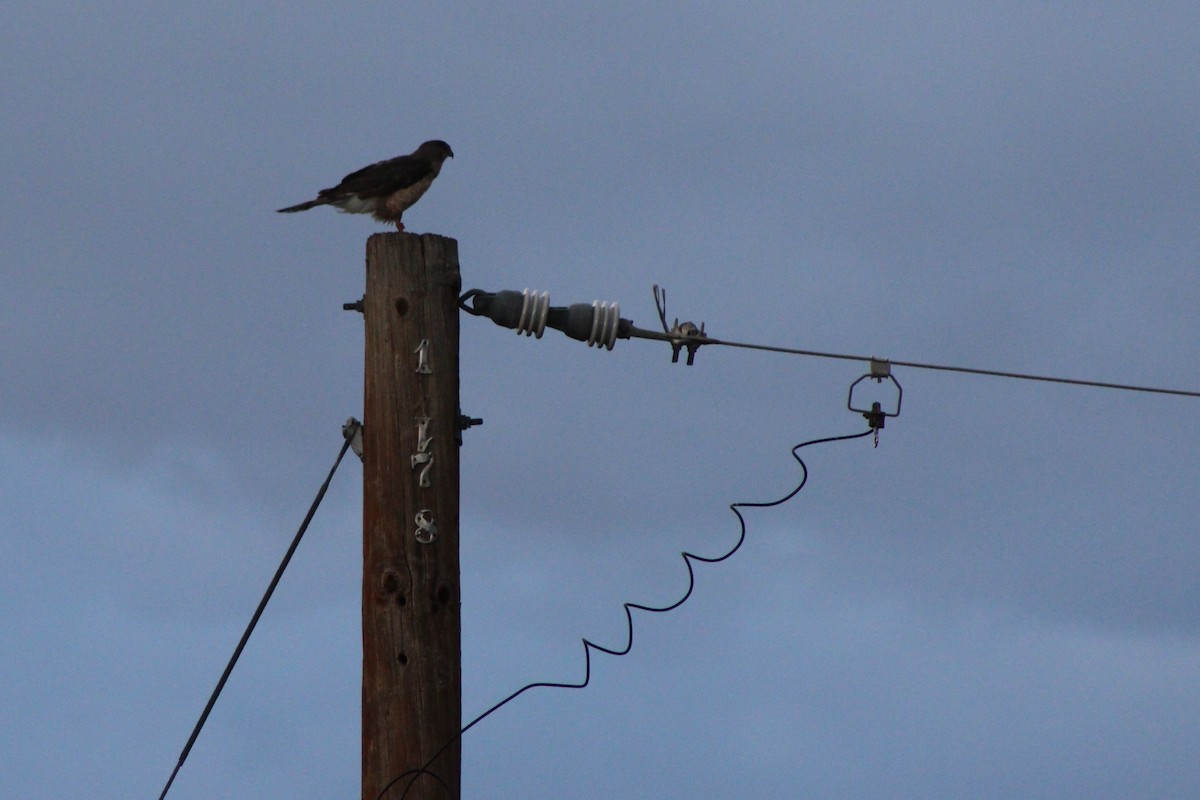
1000 601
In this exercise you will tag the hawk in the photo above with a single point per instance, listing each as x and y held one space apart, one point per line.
387 188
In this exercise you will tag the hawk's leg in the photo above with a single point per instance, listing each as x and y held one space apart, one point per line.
399 226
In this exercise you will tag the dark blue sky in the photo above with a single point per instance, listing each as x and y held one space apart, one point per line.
999 601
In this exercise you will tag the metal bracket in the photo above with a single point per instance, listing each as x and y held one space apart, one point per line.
465 421
352 430
876 417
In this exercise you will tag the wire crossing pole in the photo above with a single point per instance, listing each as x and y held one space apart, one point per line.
411 699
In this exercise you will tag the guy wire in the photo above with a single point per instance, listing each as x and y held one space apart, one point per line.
262 604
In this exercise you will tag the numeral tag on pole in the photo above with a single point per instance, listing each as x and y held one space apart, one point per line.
426 529
422 352
423 458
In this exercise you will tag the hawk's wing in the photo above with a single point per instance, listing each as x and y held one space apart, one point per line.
382 178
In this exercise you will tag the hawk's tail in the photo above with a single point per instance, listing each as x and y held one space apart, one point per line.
302 206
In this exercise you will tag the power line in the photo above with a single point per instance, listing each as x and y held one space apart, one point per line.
600 325
349 431
944 368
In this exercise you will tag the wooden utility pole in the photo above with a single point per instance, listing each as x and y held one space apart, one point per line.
411 699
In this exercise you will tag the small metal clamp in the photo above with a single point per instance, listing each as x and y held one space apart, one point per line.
683 334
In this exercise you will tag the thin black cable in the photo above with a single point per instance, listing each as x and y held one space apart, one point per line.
262 604
589 645
705 340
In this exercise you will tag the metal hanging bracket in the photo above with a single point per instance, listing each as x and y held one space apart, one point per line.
876 416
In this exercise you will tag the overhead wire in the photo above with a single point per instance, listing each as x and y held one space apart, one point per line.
946 368
262 604
530 313
589 645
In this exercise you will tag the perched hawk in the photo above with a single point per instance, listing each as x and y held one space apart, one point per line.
384 190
